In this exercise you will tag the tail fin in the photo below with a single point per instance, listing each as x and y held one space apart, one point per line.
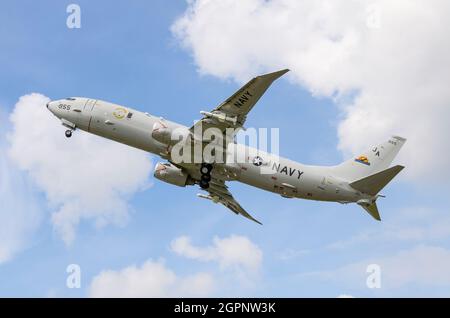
370 162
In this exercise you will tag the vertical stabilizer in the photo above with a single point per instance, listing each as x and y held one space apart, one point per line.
374 160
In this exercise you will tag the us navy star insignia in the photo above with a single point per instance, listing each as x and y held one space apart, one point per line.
257 161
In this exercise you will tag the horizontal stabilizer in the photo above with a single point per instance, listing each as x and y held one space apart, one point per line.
372 210
374 183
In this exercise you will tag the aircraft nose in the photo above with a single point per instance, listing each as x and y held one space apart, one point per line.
51 107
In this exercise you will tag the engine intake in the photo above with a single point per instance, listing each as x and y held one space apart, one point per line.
167 172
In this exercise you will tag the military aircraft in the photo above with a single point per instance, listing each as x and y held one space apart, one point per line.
357 180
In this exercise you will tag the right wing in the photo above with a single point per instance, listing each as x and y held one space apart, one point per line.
218 193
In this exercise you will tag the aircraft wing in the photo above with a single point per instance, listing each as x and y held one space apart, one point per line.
233 111
218 193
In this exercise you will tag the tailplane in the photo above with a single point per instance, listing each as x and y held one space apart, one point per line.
376 182
372 209
372 185
370 162
369 172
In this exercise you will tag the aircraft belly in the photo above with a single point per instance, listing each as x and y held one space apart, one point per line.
310 185
274 174
257 180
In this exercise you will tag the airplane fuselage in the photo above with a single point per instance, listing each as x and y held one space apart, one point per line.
134 128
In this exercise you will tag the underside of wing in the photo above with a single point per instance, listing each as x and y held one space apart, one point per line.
218 193
232 113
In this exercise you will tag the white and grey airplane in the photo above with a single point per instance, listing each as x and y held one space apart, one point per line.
358 180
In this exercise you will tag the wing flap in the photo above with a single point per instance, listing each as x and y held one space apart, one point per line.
218 192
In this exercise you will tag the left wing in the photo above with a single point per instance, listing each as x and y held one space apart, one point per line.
218 193
232 113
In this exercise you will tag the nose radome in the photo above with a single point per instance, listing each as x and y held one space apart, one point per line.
51 106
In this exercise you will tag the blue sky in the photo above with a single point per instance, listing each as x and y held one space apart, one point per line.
126 53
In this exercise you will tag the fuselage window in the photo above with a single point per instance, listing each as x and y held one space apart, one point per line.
70 98
130 115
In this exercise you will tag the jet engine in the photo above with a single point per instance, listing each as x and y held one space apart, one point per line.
167 172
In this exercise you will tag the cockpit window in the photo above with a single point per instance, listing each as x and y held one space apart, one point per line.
70 98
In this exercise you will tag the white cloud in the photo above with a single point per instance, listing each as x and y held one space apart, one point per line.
234 252
152 279
238 261
20 214
85 177
391 57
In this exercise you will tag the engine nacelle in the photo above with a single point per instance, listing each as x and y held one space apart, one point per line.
167 134
169 173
